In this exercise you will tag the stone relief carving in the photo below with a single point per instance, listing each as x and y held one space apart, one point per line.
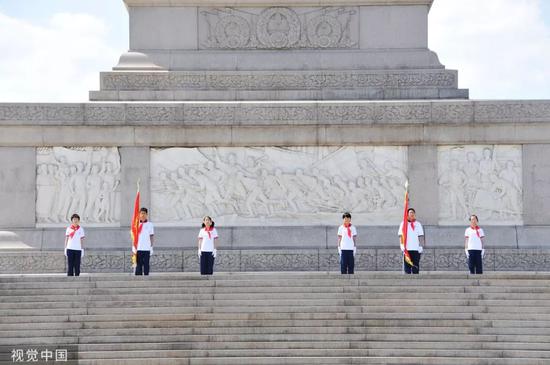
83 180
482 180
277 186
278 28
258 80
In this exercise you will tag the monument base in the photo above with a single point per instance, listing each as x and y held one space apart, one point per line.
279 85
178 260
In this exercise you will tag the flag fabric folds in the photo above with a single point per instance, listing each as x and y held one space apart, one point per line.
134 229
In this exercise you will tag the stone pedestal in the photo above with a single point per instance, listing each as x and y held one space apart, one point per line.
304 50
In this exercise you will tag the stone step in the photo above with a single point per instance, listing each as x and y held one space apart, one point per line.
539 346
143 336
523 317
539 306
320 360
311 360
381 290
277 275
272 330
411 353
214 295
132 296
400 281
483 327
293 307
162 323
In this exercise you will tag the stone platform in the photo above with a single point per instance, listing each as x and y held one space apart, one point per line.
178 260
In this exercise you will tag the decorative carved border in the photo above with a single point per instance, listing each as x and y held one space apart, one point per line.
291 80
435 114
277 260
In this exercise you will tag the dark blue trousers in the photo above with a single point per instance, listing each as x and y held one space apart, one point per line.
73 262
143 258
347 262
475 262
207 263
415 269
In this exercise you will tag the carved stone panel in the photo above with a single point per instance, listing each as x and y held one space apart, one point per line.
278 28
82 180
277 186
483 180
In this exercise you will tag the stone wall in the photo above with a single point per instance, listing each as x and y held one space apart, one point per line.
459 156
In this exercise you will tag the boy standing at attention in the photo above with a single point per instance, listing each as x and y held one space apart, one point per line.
346 245
74 237
146 233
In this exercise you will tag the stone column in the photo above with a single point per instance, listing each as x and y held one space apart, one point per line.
135 162
18 187
536 184
423 188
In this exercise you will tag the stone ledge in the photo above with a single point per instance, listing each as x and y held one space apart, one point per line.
12 262
277 81
455 112
273 2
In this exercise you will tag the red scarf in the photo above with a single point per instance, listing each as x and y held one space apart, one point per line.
348 226
208 230
141 226
74 229
477 230
412 223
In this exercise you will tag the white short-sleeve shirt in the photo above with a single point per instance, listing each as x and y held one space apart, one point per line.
75 242
413 243
474 242
207 244
144 239
347 242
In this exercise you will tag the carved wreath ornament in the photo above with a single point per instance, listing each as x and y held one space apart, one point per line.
277 28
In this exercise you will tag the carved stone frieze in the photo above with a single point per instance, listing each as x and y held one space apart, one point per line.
82 180
272 185
264 80
278 28
485 180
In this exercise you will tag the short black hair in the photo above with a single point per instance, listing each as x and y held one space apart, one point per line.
75 216
346 215
143 209
204 225
473 215
408 210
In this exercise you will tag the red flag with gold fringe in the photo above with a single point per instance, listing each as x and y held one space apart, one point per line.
134 229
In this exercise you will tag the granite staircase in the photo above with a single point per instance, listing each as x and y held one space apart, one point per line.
443 318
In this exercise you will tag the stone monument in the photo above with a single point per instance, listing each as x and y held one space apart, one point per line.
274 117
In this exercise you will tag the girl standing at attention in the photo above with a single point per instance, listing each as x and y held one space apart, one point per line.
207 246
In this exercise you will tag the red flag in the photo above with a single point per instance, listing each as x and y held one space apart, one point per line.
134 229
405 226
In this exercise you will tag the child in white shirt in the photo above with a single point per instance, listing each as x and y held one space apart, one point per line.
74 237
207 248
346 245
473 246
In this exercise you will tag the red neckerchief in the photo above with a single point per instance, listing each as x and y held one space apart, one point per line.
141 226
412 223
477 230
74 229
348 226
208 230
